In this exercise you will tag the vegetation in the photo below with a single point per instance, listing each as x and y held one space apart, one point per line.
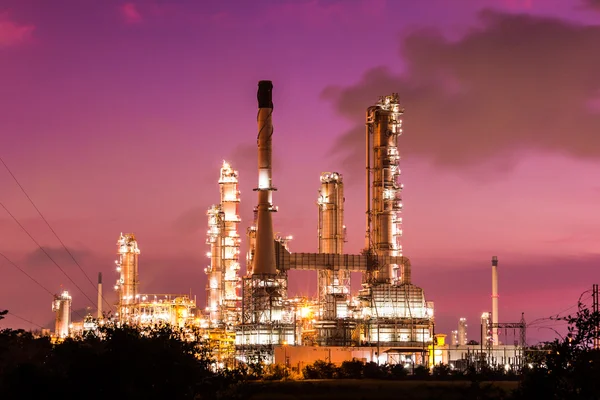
166 363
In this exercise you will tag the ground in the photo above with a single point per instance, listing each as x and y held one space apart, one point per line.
376 389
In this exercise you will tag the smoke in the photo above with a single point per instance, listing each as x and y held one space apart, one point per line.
592 4
190 221
39 258
516 83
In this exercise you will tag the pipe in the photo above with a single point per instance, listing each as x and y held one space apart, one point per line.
495 300
264 259
99 316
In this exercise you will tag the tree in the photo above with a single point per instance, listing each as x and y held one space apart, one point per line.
570 366
352 369
156 363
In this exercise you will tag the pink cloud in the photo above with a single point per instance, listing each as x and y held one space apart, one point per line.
130 13
12 33
519 4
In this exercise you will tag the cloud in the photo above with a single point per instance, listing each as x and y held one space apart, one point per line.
38 257
191 221
130 13
593 4
13 33
518 82
322 13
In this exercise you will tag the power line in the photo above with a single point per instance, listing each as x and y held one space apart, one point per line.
26 274
26 320
45 252
51 229
34 280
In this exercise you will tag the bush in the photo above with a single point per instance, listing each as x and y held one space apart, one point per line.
352 369
441 371
374 371
397 371
320 370
421 372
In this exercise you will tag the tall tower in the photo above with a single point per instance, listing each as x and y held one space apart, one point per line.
264 320
214 284
224 239
495 300
462 331
230 201
383 192
127 285
333 286
62 307
100 297
264 256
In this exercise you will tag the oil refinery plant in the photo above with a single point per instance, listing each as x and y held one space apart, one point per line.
252 317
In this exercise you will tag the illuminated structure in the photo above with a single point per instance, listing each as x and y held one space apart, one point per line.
462 331
454 338
333 327
99 314
383 192
171 309
395 309
223 300
62 308
127 285
264 290
145 309
333 286
495 301
486 331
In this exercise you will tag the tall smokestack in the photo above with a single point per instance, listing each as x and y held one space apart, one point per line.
264 258
495 300
99 295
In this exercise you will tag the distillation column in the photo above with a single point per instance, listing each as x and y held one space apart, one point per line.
62 307
462 332
214 272
384 197
230 201
224 240
333 286
127 285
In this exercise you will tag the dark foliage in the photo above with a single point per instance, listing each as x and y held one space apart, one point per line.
126 363
569 368
351 369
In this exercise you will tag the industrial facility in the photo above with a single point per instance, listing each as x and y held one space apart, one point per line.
254 318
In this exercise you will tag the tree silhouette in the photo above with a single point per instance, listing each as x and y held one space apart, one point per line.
569 368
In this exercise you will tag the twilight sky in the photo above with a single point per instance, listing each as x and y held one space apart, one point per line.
115 116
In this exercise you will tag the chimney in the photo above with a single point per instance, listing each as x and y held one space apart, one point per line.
264 258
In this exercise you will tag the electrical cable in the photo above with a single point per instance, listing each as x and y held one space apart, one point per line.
23 319
51 229
34 280
45 252
26 274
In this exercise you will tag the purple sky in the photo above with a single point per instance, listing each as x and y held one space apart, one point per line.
115 116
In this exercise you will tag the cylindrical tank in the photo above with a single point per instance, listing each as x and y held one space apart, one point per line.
62 307
127 266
